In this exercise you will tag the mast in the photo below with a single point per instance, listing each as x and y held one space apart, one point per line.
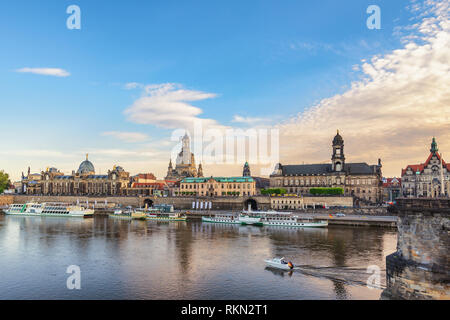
442 177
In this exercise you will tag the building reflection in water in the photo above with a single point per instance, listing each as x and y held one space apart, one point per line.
181 260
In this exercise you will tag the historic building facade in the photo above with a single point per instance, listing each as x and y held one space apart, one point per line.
392 189
82 182
429 179
185 163
360 180
217 186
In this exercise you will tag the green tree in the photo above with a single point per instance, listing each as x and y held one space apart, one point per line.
4 181
274 191
326 191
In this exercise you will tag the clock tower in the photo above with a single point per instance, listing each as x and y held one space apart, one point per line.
338 159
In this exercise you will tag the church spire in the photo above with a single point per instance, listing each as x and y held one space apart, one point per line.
434 147
200 171
246 170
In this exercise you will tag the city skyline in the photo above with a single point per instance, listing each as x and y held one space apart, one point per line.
106 91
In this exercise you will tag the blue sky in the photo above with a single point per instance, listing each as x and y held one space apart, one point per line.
260 59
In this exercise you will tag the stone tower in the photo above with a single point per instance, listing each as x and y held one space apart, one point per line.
246 172
185 163
186 157
338 158
200 171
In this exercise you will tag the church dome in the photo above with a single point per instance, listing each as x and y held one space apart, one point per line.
86 167
338 139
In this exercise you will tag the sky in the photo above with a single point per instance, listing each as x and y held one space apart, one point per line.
124 86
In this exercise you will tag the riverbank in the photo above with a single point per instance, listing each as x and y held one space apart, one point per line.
351 220
348 220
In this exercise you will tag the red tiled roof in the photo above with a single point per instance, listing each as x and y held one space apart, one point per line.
420 167
389 182
155 185
149 176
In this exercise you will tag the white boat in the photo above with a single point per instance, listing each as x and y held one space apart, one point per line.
250 219
48 209
279 263
286 219
222 218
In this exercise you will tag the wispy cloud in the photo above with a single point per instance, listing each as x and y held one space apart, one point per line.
127 136
169 106
55 72
133 85
250 120
403 100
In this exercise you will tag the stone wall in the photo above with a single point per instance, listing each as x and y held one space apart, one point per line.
6 199
420 268
182 203
185 203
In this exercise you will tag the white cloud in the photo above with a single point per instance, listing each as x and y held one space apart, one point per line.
133 85
169 106
127 136
249 120
403 101
56 72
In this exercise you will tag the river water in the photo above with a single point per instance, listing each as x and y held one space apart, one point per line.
121 259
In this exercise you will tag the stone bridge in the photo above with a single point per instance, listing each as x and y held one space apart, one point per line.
420 269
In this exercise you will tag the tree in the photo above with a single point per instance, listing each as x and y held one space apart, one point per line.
4 181
326 191
274 191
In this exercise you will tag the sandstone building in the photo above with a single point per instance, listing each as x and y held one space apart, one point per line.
218 186
429 179
360 180
185 165
82 182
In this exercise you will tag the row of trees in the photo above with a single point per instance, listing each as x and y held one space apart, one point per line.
313 191
274 191
326 191
4 181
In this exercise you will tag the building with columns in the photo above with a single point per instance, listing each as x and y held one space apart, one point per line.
360 180
430 179
185 163
82 182
218 186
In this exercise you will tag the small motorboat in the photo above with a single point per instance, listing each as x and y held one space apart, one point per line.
279 263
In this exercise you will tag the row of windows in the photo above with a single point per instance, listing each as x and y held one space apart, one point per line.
228 186
311 182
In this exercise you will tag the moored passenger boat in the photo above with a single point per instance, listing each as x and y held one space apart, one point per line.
284 219
289 220
165 216
222 218
249 219
127 214
160 215
48 209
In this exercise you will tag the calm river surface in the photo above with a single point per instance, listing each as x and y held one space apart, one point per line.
184 260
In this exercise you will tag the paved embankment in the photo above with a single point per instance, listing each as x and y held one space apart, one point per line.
350 220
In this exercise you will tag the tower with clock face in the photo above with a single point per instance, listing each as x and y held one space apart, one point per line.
338 158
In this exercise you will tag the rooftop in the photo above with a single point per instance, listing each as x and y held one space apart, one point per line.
218 179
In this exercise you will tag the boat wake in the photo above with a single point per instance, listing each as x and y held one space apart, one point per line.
347 275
